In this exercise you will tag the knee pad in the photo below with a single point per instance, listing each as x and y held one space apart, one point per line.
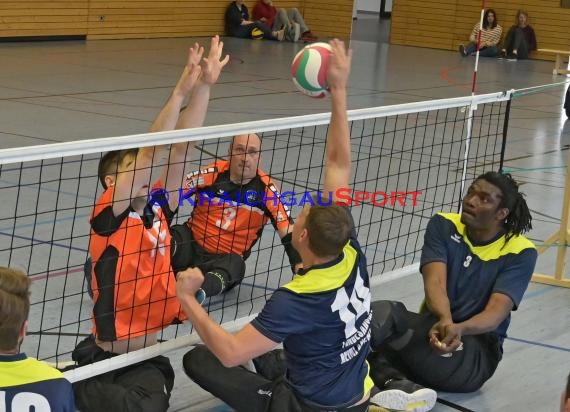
193 361
181 248
388 320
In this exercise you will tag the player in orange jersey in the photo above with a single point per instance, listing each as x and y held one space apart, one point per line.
233 200
130 244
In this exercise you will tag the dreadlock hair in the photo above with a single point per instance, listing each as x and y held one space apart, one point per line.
518 220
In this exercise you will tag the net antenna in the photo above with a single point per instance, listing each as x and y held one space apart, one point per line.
469 112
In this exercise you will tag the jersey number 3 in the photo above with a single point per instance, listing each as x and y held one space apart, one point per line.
359 301
228 214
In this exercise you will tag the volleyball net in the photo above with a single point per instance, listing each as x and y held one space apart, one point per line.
410 161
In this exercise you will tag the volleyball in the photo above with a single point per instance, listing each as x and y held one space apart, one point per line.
256 33
309 69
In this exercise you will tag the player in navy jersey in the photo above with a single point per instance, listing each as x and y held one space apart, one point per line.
25 383
322 316
476 267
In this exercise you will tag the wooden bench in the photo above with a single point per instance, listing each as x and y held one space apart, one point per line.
558 68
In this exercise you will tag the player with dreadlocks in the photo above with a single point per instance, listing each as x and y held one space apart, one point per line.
476 266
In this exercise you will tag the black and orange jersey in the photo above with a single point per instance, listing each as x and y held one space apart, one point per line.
229 217
28 384
134 288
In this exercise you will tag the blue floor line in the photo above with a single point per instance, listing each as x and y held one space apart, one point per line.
45 222
220 408
258 286
543 345
43 241
46 189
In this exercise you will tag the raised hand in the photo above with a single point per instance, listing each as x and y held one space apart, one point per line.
195 54
339 65
191 72
213 64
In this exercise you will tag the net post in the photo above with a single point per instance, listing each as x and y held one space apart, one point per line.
559 239
472 107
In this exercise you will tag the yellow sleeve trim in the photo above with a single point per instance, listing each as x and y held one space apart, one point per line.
26 371
368 382
492 251
325 279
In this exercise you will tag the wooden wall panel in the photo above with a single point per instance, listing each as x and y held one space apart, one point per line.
415 24
423 24
165 18
43 18
117 19
331 18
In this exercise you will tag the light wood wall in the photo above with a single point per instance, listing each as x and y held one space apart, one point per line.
117 19
331 18
445 24
43 17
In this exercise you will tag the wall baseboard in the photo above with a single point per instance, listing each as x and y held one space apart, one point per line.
43 38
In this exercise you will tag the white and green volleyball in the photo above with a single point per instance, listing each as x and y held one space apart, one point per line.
309 69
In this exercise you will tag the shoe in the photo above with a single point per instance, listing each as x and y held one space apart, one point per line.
503 54
293 32
462 50
404 395
296 32
279 34
308 37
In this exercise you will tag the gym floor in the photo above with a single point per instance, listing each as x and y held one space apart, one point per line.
65 91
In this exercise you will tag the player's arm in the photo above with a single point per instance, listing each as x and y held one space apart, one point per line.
231 349
282 222
195 113
337 154
444 335
508 291
171 176
433 266
496 311
286 235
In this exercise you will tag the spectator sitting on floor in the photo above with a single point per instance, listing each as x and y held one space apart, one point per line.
238 24
490 37
520 40
280 18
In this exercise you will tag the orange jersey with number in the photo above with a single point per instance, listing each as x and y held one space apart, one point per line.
229 217
134 289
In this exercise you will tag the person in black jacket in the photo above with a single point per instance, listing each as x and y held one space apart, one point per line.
567 102
520 40
238 24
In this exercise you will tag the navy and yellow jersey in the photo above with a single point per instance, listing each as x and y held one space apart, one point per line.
27 384
475 271
323 319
